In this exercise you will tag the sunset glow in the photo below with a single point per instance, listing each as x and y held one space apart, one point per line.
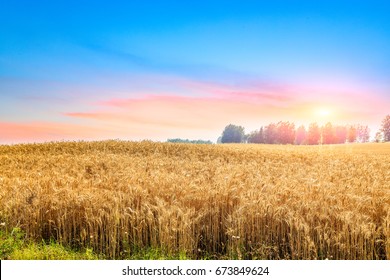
158 71
324 112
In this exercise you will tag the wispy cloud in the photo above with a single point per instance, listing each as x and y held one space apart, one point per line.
15 132
207 105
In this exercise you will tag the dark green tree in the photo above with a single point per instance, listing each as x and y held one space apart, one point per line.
233 134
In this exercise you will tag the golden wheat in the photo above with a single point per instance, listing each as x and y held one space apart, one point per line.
230 201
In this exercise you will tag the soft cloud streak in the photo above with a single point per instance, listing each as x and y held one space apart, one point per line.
16 132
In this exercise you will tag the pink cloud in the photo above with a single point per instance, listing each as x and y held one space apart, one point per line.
175 85
15 132
252 91
177 111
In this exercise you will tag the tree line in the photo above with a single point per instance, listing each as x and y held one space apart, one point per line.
179 140
285 132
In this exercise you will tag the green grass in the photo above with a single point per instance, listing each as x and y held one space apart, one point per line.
15 246
50 251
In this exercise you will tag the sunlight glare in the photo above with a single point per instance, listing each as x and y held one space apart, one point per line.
323 112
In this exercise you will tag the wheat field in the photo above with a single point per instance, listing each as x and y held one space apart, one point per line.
208 201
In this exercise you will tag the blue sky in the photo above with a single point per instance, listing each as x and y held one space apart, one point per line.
60 60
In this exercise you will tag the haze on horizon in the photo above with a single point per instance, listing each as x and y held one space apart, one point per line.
133 70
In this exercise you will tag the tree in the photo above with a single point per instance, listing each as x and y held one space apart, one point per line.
379 136
300 135
256 136
352 133
313 134
363 133
233 134
270 134
187 141
341 133
285 133
385 129
328 135
261 135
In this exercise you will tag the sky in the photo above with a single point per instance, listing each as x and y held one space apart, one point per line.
135 70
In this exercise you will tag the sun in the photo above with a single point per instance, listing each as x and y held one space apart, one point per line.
323 112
